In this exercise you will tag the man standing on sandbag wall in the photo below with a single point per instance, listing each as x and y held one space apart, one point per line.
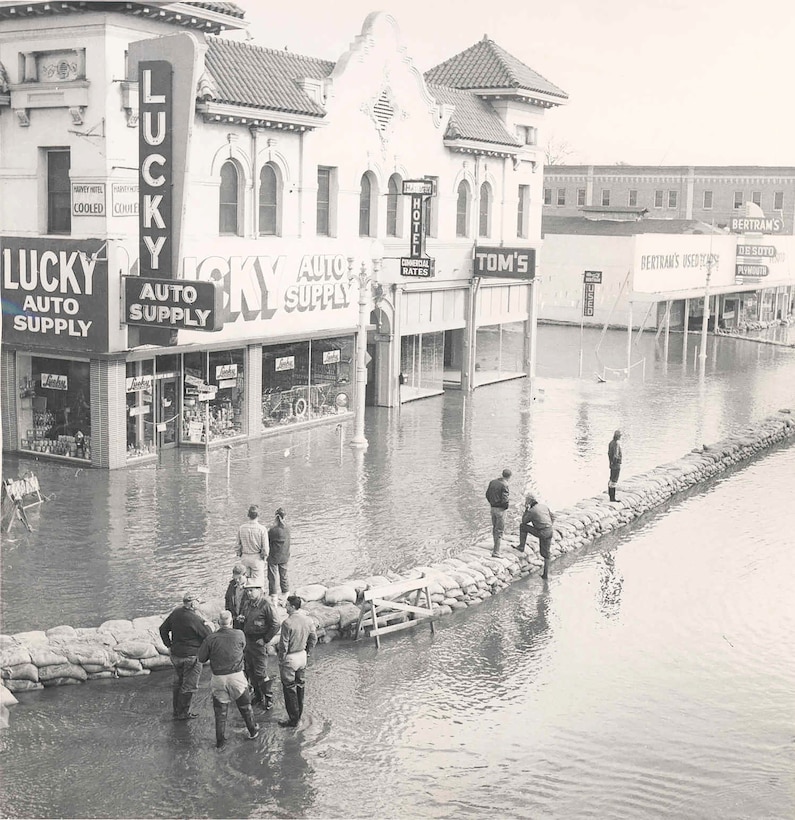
260 626
537 520
183 632
614 456
224 649
298 638
498 495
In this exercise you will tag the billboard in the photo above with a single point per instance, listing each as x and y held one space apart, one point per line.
55 293
676 262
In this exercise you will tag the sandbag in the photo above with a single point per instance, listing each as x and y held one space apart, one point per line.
147 623
21 671
65 631
46 657
105 674
349 614
324 616
132 673
14 655
340 594
131 664
311 592
135 649
22 685
61 670
35 638
6 698
157 662
61 682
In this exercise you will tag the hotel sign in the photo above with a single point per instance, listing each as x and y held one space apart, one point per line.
155 172
417 263
505 263
420 187
172 303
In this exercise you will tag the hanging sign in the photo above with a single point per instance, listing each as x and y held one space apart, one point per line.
756 250
592 277
505 263
756 224
589 290
284 363
172 303
137 384
754 271
225 371
124 199
52 382
141 410
331 356
417 263
88 199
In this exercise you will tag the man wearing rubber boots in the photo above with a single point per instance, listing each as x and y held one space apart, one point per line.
224 649
298 638
537 520
183 632
259 628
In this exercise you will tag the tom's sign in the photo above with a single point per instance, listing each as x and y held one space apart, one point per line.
505 263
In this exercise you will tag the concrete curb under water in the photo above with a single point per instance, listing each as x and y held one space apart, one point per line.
66 655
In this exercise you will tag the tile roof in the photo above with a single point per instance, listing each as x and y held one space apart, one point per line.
488 66
473 118
232 9
249 75
581 226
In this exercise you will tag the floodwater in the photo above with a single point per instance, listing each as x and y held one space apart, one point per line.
652 676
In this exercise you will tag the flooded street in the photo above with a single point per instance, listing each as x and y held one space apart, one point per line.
653 675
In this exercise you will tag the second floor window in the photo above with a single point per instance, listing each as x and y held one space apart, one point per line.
756 198
778 201
672 198
658 199
484 221
228 210
523 211
561 196
707 200
59 196
268 201
462 210
547 196
323 202
581 197
366 210
606 198
632 200
738 200
392 205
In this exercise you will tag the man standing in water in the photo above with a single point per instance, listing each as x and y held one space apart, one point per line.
278 556
259 628
252 546
297 640
183 632
224 649
537 520
497 494
614 456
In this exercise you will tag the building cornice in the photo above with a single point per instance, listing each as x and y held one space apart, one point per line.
213 112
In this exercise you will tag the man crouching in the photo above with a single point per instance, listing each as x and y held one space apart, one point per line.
224 649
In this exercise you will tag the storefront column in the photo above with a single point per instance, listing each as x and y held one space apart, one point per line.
470 336
108 414
9 388
685 332
254 389
531 331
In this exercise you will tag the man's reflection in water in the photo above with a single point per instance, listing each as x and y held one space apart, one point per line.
610 583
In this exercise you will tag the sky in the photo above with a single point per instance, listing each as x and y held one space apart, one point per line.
652 82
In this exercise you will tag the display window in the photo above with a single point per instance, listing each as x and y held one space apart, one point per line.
213 392
55 409
139 385
303 381
421 365
498 352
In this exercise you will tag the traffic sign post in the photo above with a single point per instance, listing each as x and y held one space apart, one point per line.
590 279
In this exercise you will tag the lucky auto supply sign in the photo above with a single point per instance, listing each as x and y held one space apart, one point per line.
172 303
55 293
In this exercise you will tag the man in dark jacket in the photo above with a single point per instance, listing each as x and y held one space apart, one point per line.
298 638
183 632
224 649
614 456
259 627
235 598
497 494
278 556
537 520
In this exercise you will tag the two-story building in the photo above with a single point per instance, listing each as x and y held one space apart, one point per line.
195 228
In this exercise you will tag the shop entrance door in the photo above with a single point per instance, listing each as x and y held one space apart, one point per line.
166 413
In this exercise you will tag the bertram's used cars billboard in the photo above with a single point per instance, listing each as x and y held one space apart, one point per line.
55 293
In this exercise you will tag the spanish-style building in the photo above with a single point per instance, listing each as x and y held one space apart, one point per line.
195 228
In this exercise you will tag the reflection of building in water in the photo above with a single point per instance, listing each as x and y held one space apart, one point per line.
610 584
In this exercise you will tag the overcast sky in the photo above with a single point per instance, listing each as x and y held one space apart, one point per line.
659 82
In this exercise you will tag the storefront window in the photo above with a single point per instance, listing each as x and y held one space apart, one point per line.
223 370
306 380
421 365
55 412
140 402
499 351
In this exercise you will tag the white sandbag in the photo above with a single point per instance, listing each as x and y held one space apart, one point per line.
131 664
35 638
61 631
311 592
6 698
135 649
340 594
61 670
349 614
22 671
14 655
44 656
22 685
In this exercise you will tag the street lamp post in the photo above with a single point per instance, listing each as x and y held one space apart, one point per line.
366 279
703 354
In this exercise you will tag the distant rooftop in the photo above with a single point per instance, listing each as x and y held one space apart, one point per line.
583 226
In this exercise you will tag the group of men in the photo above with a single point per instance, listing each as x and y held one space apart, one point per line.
537 518
237 650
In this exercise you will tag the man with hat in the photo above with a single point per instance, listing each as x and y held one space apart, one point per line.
259 627
537 520
183 632
235 597
224 649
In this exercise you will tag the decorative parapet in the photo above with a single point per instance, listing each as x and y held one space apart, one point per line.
121 648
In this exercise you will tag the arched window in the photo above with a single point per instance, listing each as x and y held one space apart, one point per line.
269 201
393 206
228 211
462 210
484 217
366 210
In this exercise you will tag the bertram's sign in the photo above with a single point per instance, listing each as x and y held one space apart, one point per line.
756 224
505 263
172 303
55 293
155 171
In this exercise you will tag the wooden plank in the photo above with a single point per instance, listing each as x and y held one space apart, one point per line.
397 588
397 605
404 625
